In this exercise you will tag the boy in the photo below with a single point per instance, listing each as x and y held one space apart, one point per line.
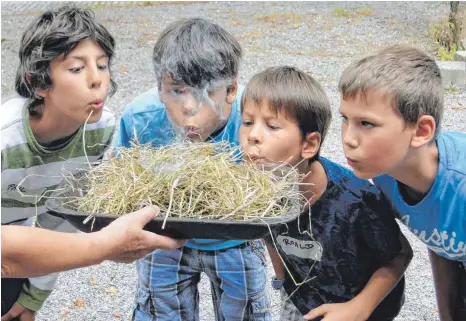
392 106
63 79
345 248
196 65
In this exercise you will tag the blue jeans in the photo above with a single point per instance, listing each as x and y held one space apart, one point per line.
167 284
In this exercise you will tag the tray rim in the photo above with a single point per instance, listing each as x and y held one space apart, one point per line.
52 205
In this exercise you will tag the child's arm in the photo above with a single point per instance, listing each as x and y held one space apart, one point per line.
446 283
379 286
276 261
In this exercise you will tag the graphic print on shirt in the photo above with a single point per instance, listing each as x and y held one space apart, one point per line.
304 249
439 242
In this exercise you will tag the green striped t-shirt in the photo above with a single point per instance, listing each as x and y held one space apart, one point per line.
31 171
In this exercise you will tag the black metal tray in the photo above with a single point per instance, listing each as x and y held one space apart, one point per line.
175 227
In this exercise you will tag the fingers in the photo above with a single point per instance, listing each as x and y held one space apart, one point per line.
27 316
145 215
15 310
317 312
148 242
153 241
7 316
133 256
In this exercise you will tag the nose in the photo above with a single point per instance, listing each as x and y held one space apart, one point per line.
255 135
190 105
94 78
349 136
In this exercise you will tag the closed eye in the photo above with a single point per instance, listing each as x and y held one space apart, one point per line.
102 67
367 124
76 70
178 91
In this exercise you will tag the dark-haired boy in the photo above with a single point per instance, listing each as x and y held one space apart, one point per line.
197 97
63 79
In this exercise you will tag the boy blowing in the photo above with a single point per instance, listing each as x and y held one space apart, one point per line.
345 255
392 107
63 79
197 98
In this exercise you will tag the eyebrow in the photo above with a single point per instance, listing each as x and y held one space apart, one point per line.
82 58
369 118
175 83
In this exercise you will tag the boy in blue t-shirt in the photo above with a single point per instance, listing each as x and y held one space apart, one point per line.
392 106
197 97
345 255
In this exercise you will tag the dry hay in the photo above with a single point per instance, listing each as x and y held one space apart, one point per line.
188 180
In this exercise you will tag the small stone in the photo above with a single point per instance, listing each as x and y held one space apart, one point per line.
460 56
453 73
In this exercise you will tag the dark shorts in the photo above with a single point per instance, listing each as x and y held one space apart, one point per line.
11 289
462 295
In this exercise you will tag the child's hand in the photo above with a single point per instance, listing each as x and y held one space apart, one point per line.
20 313
336 312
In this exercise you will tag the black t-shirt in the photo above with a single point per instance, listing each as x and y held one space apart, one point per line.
353 234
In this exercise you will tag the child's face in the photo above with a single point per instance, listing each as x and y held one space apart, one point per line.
376 139
80 83
196 113
269 137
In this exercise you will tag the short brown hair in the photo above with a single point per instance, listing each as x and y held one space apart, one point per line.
294 92
52 34
407 75
196 52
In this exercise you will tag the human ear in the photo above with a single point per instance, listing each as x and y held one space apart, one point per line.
311 145
231 92
41 92
424 131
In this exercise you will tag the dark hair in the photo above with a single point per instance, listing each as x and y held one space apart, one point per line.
196 52
52 34
409 77
294 92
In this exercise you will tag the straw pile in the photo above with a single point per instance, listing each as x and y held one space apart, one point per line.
188 180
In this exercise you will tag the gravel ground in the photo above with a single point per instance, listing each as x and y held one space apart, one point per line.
321 38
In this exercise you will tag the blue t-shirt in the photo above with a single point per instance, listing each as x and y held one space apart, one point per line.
146 118
439 219
354 234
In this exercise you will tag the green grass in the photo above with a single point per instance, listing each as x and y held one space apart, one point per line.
451 89
361 12
280 18
340 12
364 11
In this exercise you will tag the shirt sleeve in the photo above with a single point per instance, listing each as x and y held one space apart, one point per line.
37 290
379 230
32 298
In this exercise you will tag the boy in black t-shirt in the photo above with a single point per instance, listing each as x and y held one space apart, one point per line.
345 254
